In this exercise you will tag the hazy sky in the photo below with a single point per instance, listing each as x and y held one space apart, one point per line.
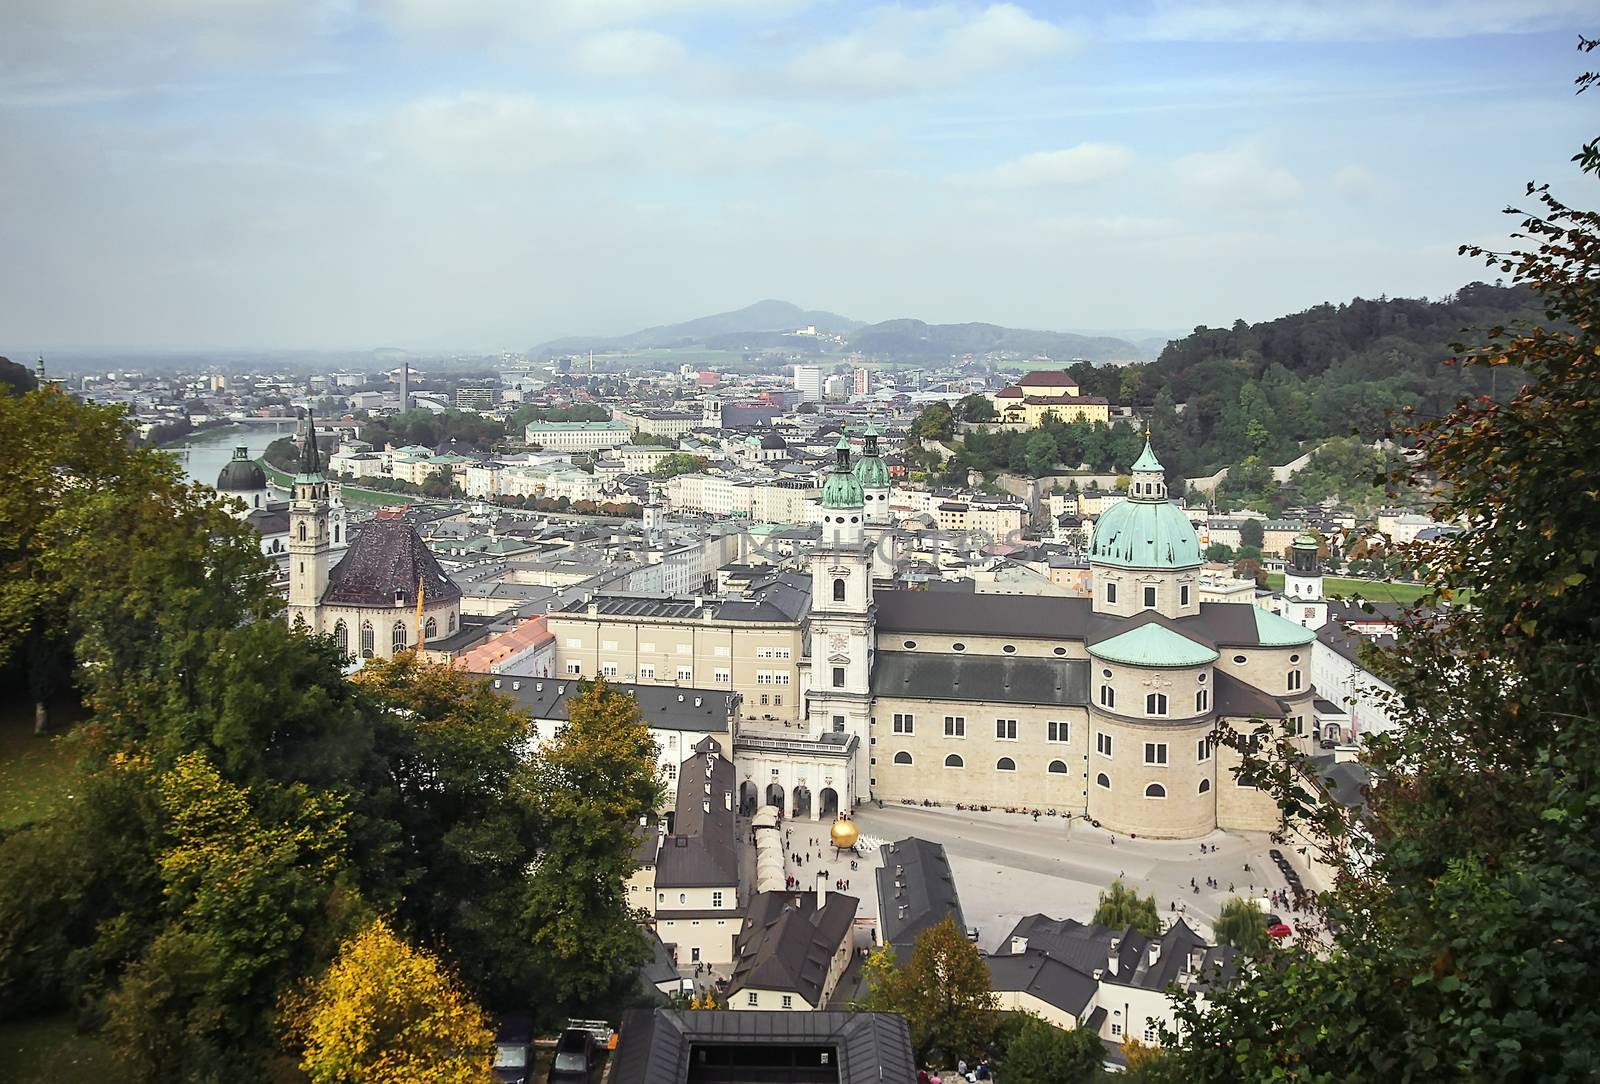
491 173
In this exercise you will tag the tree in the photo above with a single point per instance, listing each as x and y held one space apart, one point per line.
388 1013
1040 454
1462 890
936 422
1121 907
976 408
15 378
1243 925
676 463
439 483
1252 533
942 990
1219 552
589 789
1041 1053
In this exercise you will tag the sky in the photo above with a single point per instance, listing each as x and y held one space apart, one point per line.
489 174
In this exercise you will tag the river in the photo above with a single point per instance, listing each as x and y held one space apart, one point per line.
203 455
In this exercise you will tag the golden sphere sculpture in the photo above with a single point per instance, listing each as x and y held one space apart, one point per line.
844 834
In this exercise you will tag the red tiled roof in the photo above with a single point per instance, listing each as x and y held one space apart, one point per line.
1050 378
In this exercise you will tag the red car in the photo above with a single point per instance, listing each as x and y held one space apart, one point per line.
1279 930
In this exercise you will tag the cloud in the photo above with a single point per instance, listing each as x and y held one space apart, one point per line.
503 132
631 53
1236 179
541 19
901 51
1361 20
1085 164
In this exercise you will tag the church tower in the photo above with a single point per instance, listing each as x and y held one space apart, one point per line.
309 540
1302 584
1144 554
842 636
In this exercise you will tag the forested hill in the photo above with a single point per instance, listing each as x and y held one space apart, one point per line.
1261 389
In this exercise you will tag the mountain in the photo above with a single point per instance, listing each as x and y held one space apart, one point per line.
762 317
913 338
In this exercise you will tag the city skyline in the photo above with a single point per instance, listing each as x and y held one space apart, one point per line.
487 176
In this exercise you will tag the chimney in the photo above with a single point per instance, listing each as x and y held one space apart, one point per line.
1111 956
1155 952
822 888
1196 956
1019 945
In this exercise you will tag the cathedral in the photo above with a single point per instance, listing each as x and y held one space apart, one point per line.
1102 706
368 600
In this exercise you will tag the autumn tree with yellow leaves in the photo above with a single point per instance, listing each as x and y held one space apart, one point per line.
389 1013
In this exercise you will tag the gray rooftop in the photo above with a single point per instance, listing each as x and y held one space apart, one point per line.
654 1046
1000 679
916 876
787 943
665 707
700 851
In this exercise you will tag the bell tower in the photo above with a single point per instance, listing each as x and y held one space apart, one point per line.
1302 584
841 633
310 543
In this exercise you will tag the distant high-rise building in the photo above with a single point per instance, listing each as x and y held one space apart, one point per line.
477 394
405 385
863 381
808 382
836 388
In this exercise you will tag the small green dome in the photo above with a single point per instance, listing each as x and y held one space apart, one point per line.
841 490
1144 534
872 472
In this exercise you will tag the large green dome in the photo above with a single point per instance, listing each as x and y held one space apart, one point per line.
1144 534
841 489
872 472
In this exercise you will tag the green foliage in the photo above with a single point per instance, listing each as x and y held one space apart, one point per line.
1121 907
517 423
440 483
942 990
976 408
464 429
1038 451
15 378
1041 1053
1243 925
670 466
1350 472
936 422
1219 552
1251 534
1463 893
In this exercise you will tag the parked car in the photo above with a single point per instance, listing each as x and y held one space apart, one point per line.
1278 930
513 1046
574 1057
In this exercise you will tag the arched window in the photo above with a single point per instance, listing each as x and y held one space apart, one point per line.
1057 767
341 637
398 642
368 640
902 757
954 761
1155 704
1102 780
430 630
1202 701
1108 697
452 621
1294 680
302 532
1205 785
1155 790
838 590
1005 764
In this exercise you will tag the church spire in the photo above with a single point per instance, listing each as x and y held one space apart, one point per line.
310 461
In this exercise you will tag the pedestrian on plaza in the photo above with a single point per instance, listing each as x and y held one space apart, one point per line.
961 1067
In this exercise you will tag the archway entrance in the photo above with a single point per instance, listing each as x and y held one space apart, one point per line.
802 800
828 804
775 796
749 798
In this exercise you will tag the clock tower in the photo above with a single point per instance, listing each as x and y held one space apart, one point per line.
841 627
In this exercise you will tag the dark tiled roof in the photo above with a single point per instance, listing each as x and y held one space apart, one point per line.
1046 378
384 564
700 851
1001 679
786 943
915 875
665 707
1045 977
1087 949
654 1046
1236 699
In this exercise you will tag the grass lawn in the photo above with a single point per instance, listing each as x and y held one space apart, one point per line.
33 771
352 494
1370 590
49 1050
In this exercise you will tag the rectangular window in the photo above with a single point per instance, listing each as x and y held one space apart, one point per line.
609 669
1108 697
720 676
646 671
647 648
788 1003
573 641
903 724
1202 701
716 899
608 645
1155 752
1183 595
1005 729
574 667
1149 596
765 700
838 677
751 998
1202 749
1294 680
1111 592
685 673
1116 1029
720 652
955 726
777 700
1055 731
838 724
686 649
1155 704
1102 744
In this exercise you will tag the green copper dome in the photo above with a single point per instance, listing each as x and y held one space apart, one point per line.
842 490
872 472
1147 460
1144 534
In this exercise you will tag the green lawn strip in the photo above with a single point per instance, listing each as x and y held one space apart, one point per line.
34 771
50 1050
352 494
